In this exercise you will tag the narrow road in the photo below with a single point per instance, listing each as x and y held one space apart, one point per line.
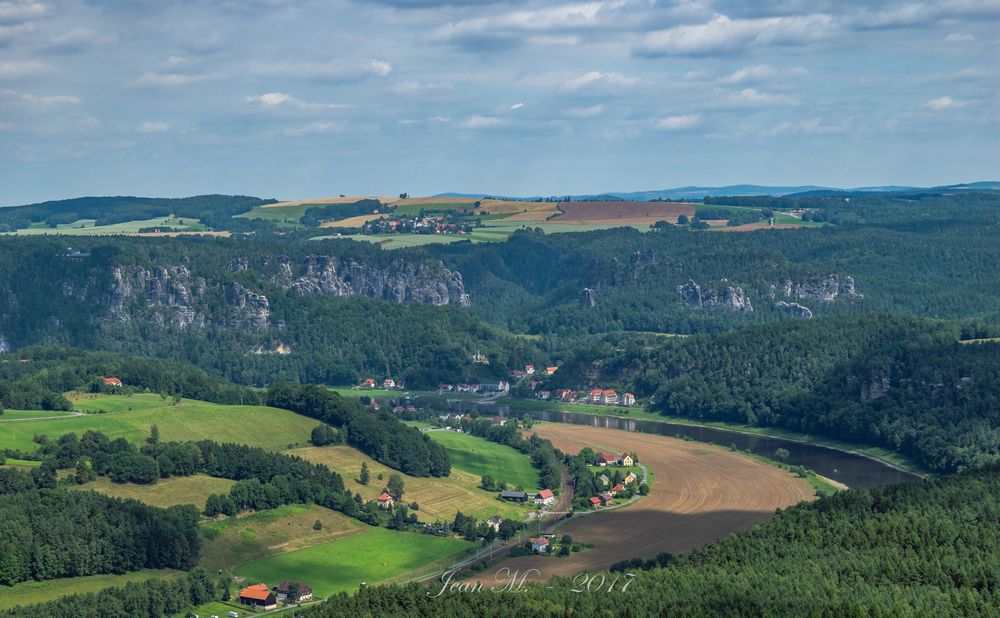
41 418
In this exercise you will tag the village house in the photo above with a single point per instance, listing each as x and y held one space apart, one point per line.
539 545
513 496
595 501
494 523
604 480
113 382
258 596
628 399
517 373
388 383
445 387
529 369
609 397
284 589
551 370
606 498
565 394
385 501
545 497
617 489
630 477
544 395
368 383
626 460
595 396
606 459
495 387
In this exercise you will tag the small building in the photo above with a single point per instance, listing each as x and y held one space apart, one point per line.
626 460
606 498
514 496
628 399
115 382
368 383
617 489
595 396
284 589
258 596
494 523
604 480
631 477
529 369
595 501
565 394
539 545
609 397
545 497
388 383
517 373
551 370
606 459
544 395
385 501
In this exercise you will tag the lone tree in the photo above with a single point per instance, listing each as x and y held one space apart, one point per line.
365 474
781 454
154 435
395 487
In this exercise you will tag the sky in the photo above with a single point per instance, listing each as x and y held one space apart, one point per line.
298 99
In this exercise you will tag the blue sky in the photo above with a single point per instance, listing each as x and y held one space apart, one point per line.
296 99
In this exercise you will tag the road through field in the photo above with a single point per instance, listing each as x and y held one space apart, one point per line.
700 493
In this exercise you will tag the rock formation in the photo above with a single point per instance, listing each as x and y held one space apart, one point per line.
588 299
730 298
825 289
794 310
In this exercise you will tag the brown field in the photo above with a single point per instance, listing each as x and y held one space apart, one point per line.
331 200
358 221
761 225
415 201
438 498
700 493
621 213
175 234
165 492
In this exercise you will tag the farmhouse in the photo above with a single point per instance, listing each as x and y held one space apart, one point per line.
514 496
368 383
626 460
595 501
595 396
539 545
628 399
617 489
606 459
606 498
494 523
609 397
112 382
544 395
551 370
604 480
258 596
564 394
285 589
545 497
630 477
388 383
385 501
529 369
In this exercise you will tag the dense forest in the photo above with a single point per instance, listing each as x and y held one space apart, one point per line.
923 548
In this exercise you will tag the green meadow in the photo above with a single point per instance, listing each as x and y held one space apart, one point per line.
482 457
31 592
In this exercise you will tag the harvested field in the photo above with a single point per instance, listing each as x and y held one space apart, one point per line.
323 201
423 201
700 493
165 492
622 213
358 221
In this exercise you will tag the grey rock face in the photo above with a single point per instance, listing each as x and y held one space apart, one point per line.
588 299
874 388
825 289
794 310
4 344
239 265
730 298
401 282
251 310
167 294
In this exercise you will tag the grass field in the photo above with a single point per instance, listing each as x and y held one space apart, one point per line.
165 492
86 227
373 556
438 498
17 415
481 457
130 417
230 542
28 593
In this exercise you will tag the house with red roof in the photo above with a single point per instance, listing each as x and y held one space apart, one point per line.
529 369
285 589
539 545
606 498
369 383
609 397
628 399
258 596
617 488
385 501
388 383
551 370
595 501
606 459
113 382
545 497
595 396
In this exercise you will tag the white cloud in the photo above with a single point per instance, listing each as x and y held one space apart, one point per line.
167 80
751 97
480 122
760 73
35 101
959 37
517 106
334 70
419 87
23 68
552 18
13 12
596 77
314 128
942 103
676 123
809 126
722 35
589 111
153 127
275 100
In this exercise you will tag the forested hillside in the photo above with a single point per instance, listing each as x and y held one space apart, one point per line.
925 548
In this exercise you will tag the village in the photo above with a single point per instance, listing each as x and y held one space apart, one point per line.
423 223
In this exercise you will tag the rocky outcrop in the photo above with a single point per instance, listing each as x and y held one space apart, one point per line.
874 388
166 295
249 309
4 344
401 282
794 310
825 289
239 265
730 298
588 298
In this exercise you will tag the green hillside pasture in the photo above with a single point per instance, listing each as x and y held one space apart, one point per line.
230 542
130 417
86 227
164 493
281 214
29 593
412 210
482 457
374 556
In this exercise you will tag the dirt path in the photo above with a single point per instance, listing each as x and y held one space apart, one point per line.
700 493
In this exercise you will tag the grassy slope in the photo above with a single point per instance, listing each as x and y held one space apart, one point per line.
373 556
86 227
230 542
28 593
438 498
481 457
130 417
165 492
